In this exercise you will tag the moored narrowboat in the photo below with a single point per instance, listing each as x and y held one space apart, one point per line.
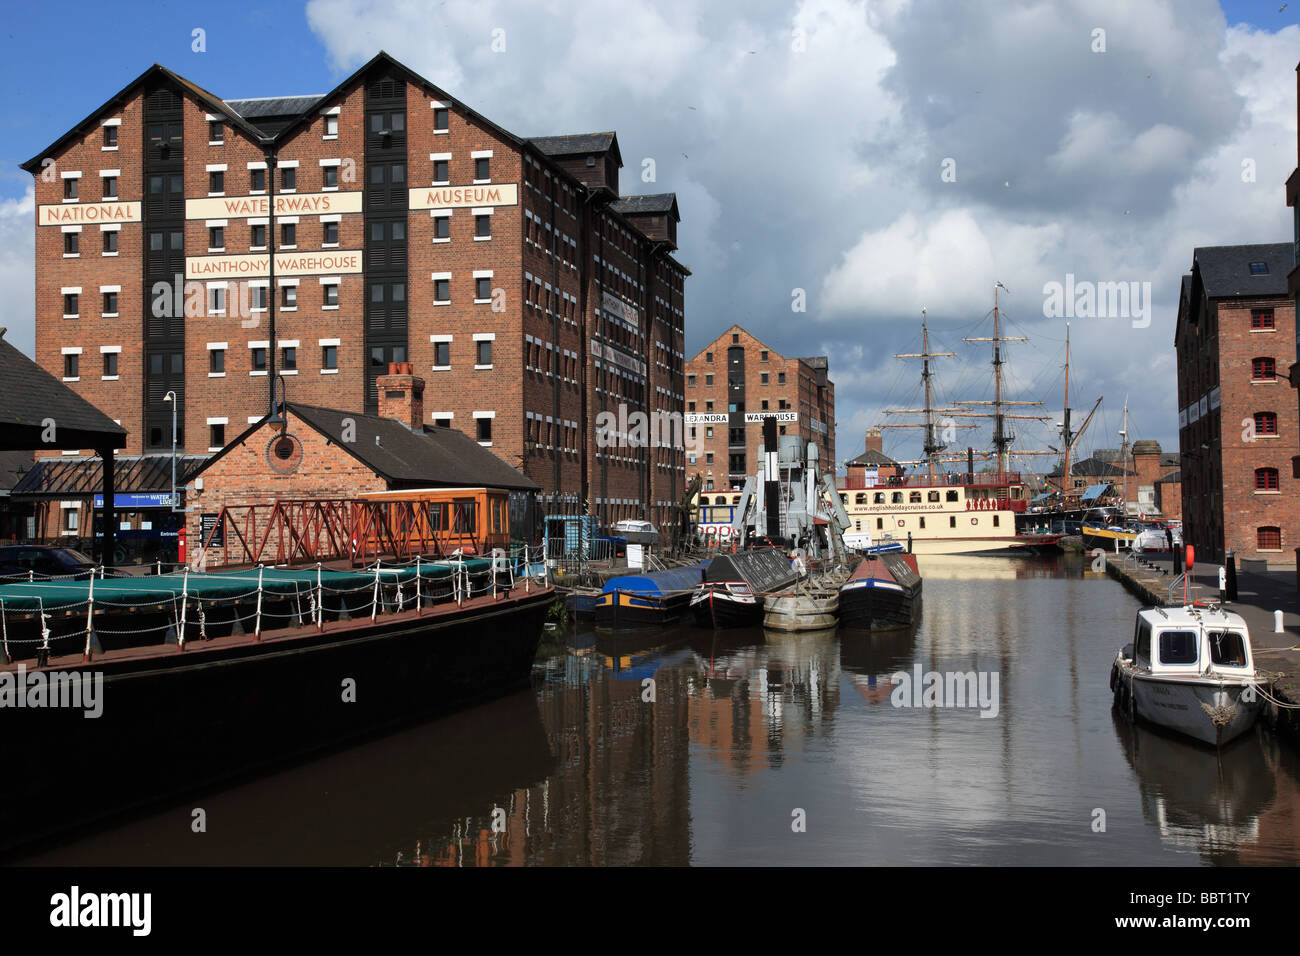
648 600
883 591
734 587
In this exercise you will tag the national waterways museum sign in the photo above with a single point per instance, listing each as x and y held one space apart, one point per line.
76 213
286 204
454 197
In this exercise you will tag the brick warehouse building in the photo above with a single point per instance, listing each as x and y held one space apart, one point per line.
1237 421
731 385
405 227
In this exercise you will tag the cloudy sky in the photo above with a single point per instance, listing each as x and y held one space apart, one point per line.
871 159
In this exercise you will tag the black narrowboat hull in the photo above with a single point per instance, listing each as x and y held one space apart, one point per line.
869 605
718 609
624 609
175 722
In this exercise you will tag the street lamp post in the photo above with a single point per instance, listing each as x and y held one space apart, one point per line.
171 397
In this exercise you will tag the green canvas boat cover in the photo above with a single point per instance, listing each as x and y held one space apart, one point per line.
127 593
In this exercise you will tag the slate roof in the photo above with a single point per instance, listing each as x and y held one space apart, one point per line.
658 203
433 457
574 144
32 395
1093 467
1225 270
255 107
1171 478
875 458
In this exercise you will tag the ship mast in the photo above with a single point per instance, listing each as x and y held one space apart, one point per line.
1002 438
932 446
1123 454
1066 436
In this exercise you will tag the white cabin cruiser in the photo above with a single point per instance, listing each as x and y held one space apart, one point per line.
1189 669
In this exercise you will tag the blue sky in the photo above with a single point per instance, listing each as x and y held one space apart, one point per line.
1108 168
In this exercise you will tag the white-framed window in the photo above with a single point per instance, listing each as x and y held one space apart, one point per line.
482 286
483 427
483 350
441 288
482 165
441 352
331 117
441 224
441 168
441 117
110 128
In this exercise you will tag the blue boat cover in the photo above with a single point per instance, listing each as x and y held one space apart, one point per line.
659 583
1095 491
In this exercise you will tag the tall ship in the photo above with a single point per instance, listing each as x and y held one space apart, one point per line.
944 511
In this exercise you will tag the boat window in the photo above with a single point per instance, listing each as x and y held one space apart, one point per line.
1142 644
952 495
1228 648
704 499
933 496
860 499
1178 647
914 498
897 498
880 498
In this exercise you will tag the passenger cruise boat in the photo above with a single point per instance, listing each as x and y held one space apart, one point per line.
1191 670
943 514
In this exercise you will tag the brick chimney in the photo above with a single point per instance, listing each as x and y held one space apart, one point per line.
401 395
874 441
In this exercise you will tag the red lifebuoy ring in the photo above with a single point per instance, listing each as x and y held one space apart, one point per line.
900 522
974 520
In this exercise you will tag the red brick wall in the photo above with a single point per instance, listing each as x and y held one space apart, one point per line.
515 385
798 392
90 270
243 476
1245 509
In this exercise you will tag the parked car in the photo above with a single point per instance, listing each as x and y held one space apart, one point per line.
22 561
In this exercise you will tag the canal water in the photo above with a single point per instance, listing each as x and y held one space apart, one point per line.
745 747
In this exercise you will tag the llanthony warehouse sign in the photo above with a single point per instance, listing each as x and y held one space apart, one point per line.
334 261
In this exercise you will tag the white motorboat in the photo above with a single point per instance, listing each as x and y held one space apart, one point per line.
1190 670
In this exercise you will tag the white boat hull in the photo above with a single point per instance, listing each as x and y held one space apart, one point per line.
800 612
990 545
1209 710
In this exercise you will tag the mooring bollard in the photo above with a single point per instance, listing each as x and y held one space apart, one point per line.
1277 622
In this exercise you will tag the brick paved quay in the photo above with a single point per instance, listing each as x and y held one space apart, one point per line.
1259 594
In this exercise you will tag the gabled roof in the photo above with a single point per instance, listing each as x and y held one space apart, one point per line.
33 397
872 458
656 204
430 457
1171 478
1225 270
210 101
578 144
1096 468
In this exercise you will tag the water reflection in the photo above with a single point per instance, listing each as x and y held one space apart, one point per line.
691 746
